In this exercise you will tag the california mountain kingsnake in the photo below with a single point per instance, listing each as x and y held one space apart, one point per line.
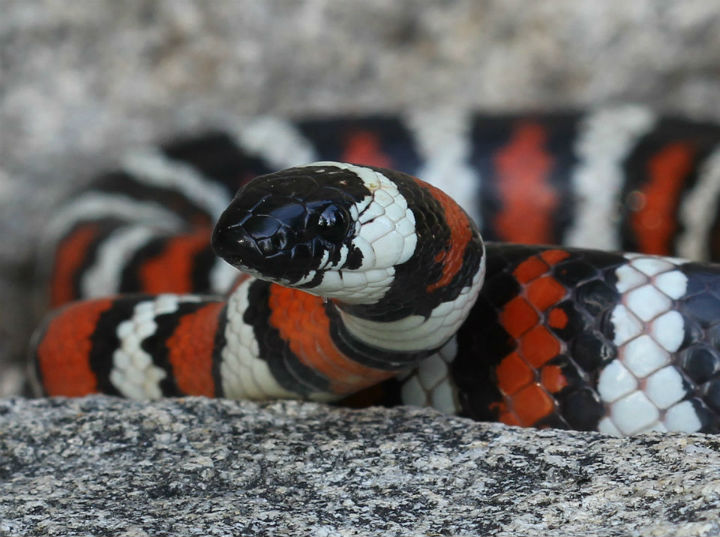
559 336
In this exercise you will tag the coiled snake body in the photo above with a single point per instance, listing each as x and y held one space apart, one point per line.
367 285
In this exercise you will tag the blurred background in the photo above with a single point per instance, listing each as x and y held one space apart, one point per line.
83 82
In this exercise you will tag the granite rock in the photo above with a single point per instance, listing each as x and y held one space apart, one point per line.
193 466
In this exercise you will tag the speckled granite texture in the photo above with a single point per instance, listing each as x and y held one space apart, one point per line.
102 466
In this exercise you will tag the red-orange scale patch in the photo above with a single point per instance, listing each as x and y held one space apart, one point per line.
530 269
506 416
655 221
539 346
302 322
171 270
526 407
531 404
523 376
557 318
513 373
64 352
545 292
552 378
553 257
69 257
190 350
461 233
529 199
518 316
363 147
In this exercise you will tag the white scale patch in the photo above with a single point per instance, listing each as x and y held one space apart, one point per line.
275 140
244 374
133 373
103 277
642 389
443 139
606 138
222 276
386 237
415 332
430 384
98 205
155 169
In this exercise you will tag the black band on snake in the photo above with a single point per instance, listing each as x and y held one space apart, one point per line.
357 283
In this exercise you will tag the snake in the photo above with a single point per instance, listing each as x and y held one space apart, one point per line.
571 284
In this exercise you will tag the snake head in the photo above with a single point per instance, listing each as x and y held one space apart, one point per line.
342 231
289 226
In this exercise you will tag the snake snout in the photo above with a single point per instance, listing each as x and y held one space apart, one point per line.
269 240
234 244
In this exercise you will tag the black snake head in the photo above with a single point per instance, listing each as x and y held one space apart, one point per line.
286 226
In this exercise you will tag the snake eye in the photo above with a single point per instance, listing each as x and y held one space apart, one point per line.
332 223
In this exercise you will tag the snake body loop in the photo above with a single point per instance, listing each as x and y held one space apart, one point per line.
366 285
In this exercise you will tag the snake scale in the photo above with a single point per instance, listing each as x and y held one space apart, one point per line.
362 284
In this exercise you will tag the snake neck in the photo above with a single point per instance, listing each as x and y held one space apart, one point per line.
411 337
428 296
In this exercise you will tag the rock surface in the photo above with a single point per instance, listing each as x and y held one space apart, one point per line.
105 466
